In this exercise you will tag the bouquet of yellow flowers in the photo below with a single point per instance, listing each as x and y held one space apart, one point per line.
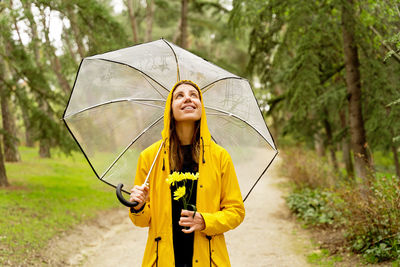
181 192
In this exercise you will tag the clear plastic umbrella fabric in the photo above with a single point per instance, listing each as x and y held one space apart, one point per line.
117 103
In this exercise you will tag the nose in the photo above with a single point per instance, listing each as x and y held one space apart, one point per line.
187 98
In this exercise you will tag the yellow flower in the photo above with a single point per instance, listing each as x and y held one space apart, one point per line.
180 192
172 178
179 176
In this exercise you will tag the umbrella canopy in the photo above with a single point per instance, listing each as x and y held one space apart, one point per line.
117 105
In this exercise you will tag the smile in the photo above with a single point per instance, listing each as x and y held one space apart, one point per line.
188 108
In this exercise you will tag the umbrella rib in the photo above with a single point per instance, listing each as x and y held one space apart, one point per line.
251 189
127 147
225 78
176 59
112 61
117 101
239 118
152 85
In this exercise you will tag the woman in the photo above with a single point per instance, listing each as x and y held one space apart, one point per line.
179 237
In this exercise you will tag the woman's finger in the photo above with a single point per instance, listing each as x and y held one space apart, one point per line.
186 213
186 219
188 231
185 223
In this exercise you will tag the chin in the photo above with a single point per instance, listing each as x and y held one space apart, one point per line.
188 118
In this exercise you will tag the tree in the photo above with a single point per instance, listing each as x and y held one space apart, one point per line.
354 95
149 20
184 24
132 20
3 175
297 50
10 140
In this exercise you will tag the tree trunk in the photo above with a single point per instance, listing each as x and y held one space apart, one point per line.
29 140
3 174
132 20
332 150
396 160
75 30
44 148
353 82
319 145
56 65
10 140
346 147
33 27
184 24
149 20
73 54
44 142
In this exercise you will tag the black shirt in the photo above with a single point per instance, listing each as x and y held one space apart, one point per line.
183 243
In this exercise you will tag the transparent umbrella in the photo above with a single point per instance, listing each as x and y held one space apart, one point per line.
117 105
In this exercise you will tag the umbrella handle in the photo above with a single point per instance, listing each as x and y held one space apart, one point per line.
123 200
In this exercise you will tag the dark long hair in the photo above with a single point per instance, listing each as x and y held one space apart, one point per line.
176 152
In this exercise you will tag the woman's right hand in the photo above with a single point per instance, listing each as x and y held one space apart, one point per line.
139 194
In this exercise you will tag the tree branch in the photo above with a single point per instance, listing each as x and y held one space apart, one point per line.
396 56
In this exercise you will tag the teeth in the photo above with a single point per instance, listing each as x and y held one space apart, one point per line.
188 108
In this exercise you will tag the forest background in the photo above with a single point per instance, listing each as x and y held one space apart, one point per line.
326 74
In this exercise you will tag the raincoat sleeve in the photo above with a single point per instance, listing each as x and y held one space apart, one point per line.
141 218
232 211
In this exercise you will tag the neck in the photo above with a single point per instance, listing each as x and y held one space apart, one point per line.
185 130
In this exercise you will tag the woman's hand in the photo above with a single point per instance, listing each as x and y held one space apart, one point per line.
139 194
195 223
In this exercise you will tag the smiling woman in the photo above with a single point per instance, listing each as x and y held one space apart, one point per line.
178 236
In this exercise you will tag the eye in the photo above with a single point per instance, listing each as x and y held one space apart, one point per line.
178 95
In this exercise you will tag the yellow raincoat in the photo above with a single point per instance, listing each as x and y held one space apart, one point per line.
218 200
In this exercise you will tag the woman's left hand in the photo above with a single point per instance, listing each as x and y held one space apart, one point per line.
195 223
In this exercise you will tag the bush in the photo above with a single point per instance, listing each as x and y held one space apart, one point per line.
367 212
312 206
373 220
306 169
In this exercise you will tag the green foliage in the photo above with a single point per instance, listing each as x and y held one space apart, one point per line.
296 51
313 207
368 213
373 220
48 196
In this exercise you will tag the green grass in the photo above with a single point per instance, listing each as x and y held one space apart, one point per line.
46 197
322 258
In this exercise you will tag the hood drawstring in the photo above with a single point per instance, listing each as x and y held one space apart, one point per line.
202 141
163 160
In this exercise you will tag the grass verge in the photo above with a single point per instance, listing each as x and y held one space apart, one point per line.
46 197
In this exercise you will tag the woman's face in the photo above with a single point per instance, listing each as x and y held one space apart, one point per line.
186 104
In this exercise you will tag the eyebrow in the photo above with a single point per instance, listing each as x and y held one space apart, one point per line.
181 91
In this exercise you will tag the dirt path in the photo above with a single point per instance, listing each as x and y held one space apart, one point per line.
267 237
